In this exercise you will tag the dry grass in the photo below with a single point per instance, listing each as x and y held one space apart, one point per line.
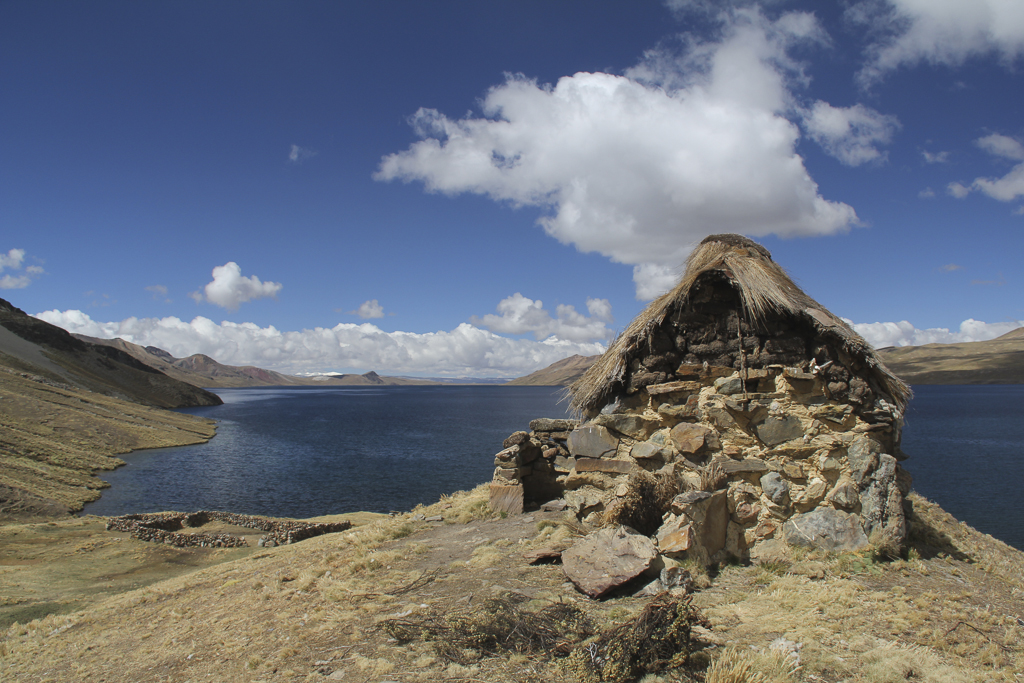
53 438
946 613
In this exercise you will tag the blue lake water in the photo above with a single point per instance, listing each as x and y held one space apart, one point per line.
307 451
302 452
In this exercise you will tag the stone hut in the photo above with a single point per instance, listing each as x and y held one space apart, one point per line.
733 411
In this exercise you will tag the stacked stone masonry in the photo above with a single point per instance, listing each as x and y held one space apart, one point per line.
804 445
784 451
166 528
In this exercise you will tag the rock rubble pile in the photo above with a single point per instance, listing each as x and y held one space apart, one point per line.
167 528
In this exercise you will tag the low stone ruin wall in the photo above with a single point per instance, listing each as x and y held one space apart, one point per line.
755 455
166 528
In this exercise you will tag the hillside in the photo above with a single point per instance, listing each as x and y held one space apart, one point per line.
997 361
559 374
68 408
202 371
49 351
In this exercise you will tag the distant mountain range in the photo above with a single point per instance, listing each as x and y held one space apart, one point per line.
202 371
997 361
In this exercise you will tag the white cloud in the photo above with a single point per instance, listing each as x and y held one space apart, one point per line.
958 190
905 334
940 31
640 167
936 158
15 281
297 155
229 288
850 134
464 351
1004 189
520 315
369 309
926 193
1002 146
652 280
13 260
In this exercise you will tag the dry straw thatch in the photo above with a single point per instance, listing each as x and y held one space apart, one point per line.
765 291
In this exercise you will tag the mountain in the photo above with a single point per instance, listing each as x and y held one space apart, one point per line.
68 408
202 371
997 361
558 374
49 351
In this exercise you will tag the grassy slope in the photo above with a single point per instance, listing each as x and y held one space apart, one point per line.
310 610
998 361
53 437
559 374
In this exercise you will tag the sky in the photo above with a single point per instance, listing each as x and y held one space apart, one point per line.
478 189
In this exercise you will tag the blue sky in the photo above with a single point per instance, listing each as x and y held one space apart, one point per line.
481 188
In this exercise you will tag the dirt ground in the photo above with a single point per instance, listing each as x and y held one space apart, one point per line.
313 611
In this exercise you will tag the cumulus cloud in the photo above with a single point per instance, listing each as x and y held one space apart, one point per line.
926 193
939 32
935 158
1004 189
850 134
639 167
297 155
950 267
464 351
369 309
229 288
13 260
1002 146
520 315
652 279
904 333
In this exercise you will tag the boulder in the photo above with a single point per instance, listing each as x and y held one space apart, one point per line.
826 529
583 499
862 456
728 386
515 439
634 426
697 526
690 438
882 502
844 495
776 488
592 441
646 450
607 559
507 498
607 465
549 425
776 430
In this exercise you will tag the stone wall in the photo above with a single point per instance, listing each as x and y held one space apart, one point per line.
166 528
762 452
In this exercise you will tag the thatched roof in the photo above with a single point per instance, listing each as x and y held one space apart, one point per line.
765 291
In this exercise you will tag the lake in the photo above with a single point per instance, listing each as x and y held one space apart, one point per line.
308 451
